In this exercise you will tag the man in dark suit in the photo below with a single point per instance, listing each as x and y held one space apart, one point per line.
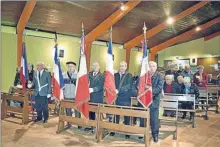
211 81
123 84
172 71
157 86
42 91
96 84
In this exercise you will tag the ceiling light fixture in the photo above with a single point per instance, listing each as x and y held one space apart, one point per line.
122 7
198 29
170 20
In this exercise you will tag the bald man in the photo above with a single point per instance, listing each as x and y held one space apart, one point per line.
96 84
157 87
123 84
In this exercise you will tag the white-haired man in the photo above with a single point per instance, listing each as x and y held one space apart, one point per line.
42 91
157 87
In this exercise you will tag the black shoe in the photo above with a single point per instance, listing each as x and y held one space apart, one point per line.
88 129
68 125
140 137
37 120
112 134
127 136
45 121
184 116
156 139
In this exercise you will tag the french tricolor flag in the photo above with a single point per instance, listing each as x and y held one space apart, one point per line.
145 85
109 83
24 68
82 83
58 83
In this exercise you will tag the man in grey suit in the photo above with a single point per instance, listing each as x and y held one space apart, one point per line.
42 91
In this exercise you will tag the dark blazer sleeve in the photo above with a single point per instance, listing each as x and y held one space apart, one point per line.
196 91
99 86
49 83
128 86
175 88
16 80
159 85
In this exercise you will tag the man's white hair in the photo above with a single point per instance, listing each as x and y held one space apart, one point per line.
152 62
96 62
186 80
169 77
123 62
187 66
40 63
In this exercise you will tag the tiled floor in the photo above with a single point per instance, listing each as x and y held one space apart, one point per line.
206 134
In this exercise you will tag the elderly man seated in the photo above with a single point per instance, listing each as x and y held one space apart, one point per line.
211 81
180 85
189 88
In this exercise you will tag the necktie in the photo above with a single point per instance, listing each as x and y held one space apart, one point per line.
94 74
39 75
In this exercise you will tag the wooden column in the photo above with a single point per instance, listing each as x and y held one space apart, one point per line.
23 20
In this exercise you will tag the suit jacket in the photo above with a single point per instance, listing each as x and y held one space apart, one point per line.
193 90
212 82
174 73
43 88
124 88
70 85
179 88
173 85
204 80
157 87
97 83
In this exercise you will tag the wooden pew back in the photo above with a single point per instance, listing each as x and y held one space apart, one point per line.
74 120
123 111
16 97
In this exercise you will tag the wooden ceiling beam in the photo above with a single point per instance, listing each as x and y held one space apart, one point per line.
107 23
181 37
23 20
134 42
212 36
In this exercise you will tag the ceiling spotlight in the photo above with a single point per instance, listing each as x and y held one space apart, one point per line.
170 20
122 7
198 29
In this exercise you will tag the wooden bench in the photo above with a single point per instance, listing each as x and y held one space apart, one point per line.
203 97
29 93
127 129
73 120
183 98
5 108
170 103
213 94
101 124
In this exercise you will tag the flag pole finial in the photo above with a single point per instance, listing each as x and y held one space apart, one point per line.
82 28
145 30
55 40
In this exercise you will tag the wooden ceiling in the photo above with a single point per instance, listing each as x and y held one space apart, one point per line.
66 18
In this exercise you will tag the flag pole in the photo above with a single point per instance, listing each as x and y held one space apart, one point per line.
113 121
